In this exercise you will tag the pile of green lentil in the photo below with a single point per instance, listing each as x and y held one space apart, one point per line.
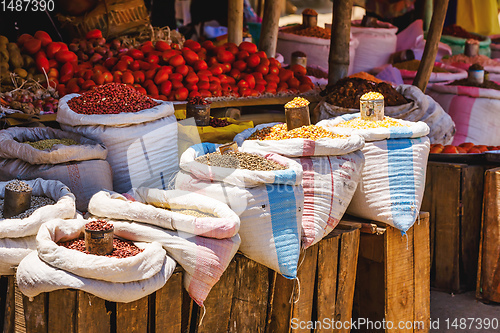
49 143
240 160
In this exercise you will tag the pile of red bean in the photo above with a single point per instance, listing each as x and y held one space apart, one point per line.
98 225
111 98
121 248
217 122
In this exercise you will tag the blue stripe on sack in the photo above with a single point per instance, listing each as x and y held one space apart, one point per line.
204 148
287 177
401 182
284 223
350 116
400 132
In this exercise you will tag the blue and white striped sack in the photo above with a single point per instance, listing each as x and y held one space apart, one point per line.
270 211
393 179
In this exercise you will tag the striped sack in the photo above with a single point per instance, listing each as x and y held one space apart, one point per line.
329 182
393 178
151 205
474 111
270 212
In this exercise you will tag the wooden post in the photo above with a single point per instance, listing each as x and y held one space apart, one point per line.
431 45
338 60
270 27
235 22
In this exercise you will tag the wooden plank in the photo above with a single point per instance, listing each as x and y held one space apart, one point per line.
62 311
338 59
446 192
328 254
428 204
133 316
489 283
399 281
431 45
9 323
217 304
280 307
303 294
270 26
35 313
19 317
168 305
235 21
421 273
472 207
249 304
92 315
348 259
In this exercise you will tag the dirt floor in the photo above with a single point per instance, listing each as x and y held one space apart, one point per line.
448 307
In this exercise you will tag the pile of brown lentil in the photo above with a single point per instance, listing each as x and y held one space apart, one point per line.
300 30
49 143
121 248
98 225
280 132
36 202
111 98
240 160
17 185
358 123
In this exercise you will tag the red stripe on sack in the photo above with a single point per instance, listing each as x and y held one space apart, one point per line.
308 147
460 111
308 211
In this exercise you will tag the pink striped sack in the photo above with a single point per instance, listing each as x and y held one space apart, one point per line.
474 111
331 171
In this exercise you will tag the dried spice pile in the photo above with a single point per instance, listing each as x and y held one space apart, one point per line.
300 30
36 202
358 123
458 31
412 65
217 122
49 143
280 132
347 91
111 98
486 84
240 160
121 248
463 59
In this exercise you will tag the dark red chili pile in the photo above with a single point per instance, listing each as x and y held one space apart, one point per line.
98 225
458 31
217 122
198 100
121 248
111 98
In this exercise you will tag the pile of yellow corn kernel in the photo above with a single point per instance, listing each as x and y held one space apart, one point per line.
359 123
279 132
297 102
369 96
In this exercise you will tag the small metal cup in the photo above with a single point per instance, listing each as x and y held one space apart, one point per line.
99 242
228 147
297 117
372 109
15 203
309 21
200 113
476 76
369 21
402 56
471 49
299 60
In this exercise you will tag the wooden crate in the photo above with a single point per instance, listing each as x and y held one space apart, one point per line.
393 275
488 275
74 311
326 275
453 197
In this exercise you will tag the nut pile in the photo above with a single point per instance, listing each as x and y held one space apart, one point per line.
279 132
297 102
240 160
98 225
49 143
36 202
111 98
17 185
121 248
358 123
217 122
347 91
